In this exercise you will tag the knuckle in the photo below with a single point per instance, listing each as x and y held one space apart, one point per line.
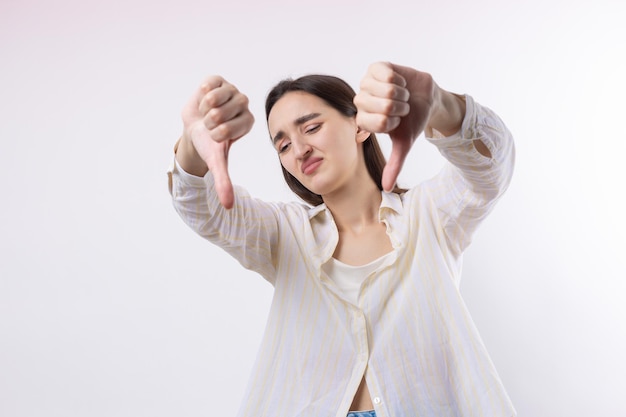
216 134
388 76
369 84
386 73
390 91
241 100
392 123
372 122
224 131
215 115
208 101
388 106
249 119
380 123
212 81
404 109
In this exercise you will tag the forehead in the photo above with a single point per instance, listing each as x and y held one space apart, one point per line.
292 106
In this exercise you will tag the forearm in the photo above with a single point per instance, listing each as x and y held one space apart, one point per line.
252 243
467 189
488 173
188 158
447 114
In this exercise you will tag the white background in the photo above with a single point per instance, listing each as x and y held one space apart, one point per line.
110 306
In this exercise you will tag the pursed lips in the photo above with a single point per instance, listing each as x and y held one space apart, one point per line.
310 164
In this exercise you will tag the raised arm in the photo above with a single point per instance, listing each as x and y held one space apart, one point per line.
228 216
404 102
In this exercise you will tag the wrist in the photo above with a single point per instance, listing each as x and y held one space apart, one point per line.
447 114
188 158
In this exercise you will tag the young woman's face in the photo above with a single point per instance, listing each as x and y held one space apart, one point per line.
316 144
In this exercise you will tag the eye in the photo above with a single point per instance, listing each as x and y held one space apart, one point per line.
313 128
283 146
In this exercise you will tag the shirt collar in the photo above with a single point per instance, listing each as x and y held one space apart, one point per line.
390 201
314 211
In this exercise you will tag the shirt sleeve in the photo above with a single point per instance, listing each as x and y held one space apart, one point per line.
470 184
248 231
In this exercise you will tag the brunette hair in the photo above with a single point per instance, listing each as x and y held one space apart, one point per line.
339 95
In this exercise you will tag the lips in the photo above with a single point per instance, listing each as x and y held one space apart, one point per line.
310 165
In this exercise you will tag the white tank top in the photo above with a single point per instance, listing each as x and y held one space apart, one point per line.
348 277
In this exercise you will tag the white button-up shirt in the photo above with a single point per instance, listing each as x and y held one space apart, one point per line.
410 334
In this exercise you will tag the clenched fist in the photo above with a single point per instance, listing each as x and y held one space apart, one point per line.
214 117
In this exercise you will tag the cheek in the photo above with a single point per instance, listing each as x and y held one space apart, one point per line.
347 148
287 165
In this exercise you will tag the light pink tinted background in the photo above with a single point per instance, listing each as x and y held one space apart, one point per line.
110 306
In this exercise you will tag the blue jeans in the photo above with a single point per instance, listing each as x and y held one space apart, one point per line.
371 413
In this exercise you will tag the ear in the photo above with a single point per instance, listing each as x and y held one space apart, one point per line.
362 135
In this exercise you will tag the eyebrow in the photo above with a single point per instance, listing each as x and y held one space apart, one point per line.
299 121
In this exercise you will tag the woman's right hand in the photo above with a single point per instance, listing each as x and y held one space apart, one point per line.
213 118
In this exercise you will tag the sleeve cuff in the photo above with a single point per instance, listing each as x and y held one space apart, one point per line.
185 178
467 131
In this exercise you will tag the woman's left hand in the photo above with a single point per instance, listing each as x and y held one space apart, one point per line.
396 100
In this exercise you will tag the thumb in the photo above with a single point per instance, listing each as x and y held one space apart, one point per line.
219 169
399 150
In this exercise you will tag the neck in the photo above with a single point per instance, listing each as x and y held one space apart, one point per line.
355 207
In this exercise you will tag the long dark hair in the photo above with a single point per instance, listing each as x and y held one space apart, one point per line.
339 95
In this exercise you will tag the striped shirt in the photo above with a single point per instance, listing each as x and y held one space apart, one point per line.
409 334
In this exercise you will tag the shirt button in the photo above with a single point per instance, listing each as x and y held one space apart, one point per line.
376 400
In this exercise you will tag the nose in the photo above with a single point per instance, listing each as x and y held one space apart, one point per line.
301 148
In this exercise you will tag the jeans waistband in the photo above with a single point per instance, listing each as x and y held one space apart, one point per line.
370 413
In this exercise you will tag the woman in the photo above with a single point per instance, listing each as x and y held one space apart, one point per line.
366 316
